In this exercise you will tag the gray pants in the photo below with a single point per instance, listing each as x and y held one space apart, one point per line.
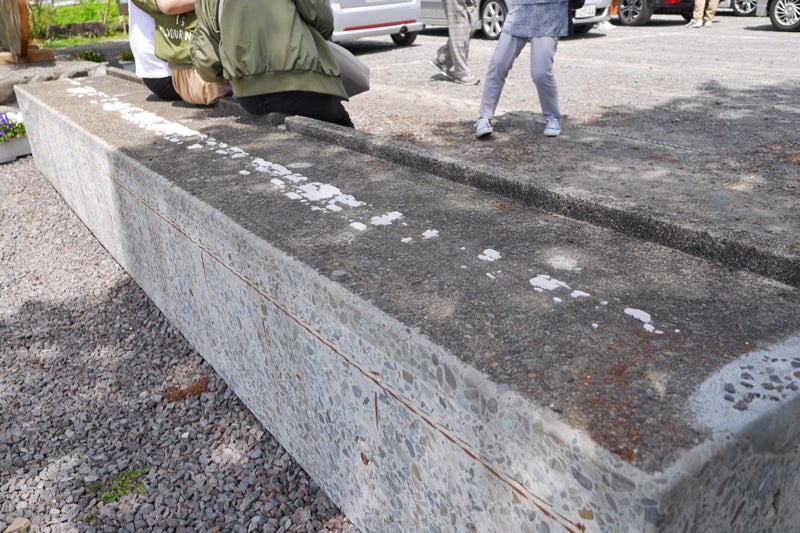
543 50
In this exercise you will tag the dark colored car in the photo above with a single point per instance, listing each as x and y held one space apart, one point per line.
638 12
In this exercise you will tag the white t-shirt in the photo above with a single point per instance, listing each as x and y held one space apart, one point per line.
142 30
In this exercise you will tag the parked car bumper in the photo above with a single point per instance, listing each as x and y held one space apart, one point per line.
356 19
592 13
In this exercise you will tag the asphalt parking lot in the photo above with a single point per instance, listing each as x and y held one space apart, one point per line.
698 126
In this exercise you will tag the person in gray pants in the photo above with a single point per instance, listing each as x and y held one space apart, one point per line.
540 23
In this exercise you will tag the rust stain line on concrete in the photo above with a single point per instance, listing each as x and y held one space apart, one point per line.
377 418
373 376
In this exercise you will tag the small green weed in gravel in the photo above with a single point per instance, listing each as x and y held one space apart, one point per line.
124 483
90 55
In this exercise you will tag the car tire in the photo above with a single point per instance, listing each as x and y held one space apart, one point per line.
635 12
785 14
688 15
493 16
404 38
743 8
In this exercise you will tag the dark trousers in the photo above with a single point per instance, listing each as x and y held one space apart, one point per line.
162 87
324 107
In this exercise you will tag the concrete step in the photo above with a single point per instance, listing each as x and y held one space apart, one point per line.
436 355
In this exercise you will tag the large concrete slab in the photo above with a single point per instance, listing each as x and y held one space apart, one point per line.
439 356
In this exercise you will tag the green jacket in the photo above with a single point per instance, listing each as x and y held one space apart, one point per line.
266 46
173 33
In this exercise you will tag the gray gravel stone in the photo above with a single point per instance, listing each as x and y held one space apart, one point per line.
95 384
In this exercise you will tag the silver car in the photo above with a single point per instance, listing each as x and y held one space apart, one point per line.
493 15
783 14
355 19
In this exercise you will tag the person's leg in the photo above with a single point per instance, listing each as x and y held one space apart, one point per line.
711 10
162 87
324 107
543 51
505 53
699 7
459 29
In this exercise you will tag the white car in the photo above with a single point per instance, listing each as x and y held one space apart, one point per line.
493 15
356 19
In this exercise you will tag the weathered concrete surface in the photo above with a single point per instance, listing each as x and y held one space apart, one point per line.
698 151
438 356
13 75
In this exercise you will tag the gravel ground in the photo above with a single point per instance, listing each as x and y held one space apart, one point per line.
102 399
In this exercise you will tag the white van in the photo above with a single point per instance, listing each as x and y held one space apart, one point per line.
356 19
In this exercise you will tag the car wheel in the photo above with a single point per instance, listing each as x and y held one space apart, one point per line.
635 12
688 15
785 14
743 8
493 15
404 38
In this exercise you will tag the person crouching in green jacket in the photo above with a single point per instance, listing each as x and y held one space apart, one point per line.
174 23
275 55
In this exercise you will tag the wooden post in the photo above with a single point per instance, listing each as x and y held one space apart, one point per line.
24 53
24 27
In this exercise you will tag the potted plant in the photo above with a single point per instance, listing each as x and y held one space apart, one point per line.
13 137
126 60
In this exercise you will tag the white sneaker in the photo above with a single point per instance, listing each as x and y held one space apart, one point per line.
604 26
552 128
466 79
706 23
694 24
483 128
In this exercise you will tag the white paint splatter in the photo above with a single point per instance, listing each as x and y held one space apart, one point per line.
348 200
430 233
489 255
594 325
638 314
386 219
82 91
490 275
579 294
645 318
543 282
331 198
556 299
406 240
318 191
